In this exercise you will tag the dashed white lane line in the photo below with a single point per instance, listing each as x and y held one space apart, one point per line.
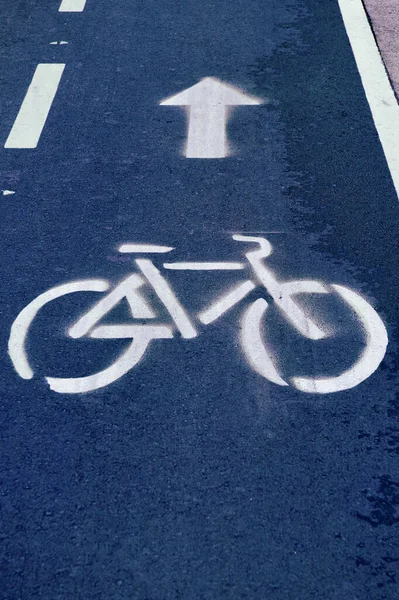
379 93
34 110
72 5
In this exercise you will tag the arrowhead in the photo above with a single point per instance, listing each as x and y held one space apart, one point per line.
211 91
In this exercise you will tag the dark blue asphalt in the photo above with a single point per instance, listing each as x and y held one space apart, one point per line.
192 477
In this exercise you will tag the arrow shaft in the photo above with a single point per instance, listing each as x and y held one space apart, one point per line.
207 132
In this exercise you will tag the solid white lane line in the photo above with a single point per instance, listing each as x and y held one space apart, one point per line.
72 5
380 95
32 115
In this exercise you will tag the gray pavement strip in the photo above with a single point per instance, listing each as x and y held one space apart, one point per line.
384 17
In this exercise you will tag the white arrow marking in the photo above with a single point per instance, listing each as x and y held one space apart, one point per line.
32 115
208 103
72 5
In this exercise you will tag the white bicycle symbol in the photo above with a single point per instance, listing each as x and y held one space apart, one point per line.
141 335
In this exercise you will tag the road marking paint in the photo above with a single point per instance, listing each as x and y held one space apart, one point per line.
143 336
20 327
379 92
7 192
255 349
204 266
208 105
62 43
143 248
126 289
72 5
168 297
123 332
226 302
34 110
370 359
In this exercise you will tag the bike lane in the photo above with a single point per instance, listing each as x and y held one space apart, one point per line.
193 476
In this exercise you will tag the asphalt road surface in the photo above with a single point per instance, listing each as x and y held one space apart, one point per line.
238 457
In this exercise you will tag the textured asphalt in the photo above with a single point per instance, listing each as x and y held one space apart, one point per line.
192 477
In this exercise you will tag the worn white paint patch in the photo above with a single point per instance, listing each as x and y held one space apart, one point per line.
208 105
7 192
72 5
33 113
380 95
62 43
